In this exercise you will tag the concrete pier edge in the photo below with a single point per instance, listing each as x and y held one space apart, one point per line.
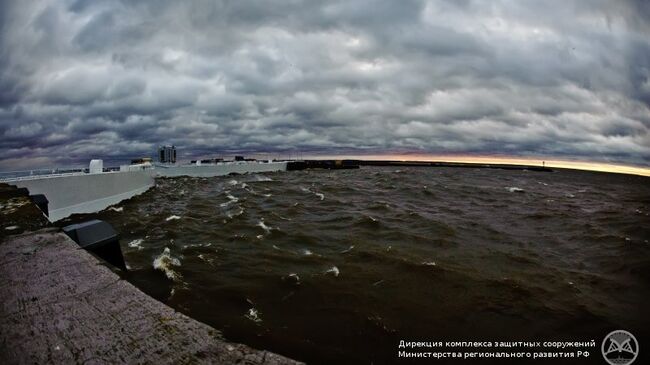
60 304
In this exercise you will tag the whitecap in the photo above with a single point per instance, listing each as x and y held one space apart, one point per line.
11 228
254 315
165 262
262 178
334 271
292 278
117 209
266 228
233 182
306 190
172 217
307 252
429 263
348 249
514 189
208 260
136 243
235 212
231 200
226 204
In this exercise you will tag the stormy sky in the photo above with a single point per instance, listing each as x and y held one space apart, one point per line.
113 79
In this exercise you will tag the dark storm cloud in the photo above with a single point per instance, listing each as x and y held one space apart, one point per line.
113 79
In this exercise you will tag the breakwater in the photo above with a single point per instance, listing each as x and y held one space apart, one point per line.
354 164
449 164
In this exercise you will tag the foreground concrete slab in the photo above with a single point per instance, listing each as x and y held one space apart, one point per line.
60 304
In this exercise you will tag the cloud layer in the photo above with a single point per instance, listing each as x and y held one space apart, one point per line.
113 79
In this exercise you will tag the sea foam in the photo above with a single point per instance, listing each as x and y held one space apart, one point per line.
254 315
165 263
266 228
136 243
262 178
333 270
514 189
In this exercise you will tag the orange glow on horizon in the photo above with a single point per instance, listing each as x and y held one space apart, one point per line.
532 161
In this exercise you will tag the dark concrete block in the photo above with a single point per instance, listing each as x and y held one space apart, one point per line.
100 238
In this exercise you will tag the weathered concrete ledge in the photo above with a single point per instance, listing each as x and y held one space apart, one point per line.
60 304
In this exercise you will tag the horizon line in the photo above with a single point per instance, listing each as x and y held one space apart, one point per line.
551 162
598 166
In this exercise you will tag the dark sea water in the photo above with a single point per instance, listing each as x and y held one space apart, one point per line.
339 266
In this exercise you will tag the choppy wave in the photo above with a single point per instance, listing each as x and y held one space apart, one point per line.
254 315
292 278
333 270
137 243
514 189
262 178
320 196
388 254
262 225
166 263
235 211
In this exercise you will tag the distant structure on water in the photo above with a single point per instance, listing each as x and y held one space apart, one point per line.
167 154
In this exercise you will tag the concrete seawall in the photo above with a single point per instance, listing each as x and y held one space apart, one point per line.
87 193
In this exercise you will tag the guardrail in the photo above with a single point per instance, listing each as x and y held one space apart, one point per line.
31 177
10 176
